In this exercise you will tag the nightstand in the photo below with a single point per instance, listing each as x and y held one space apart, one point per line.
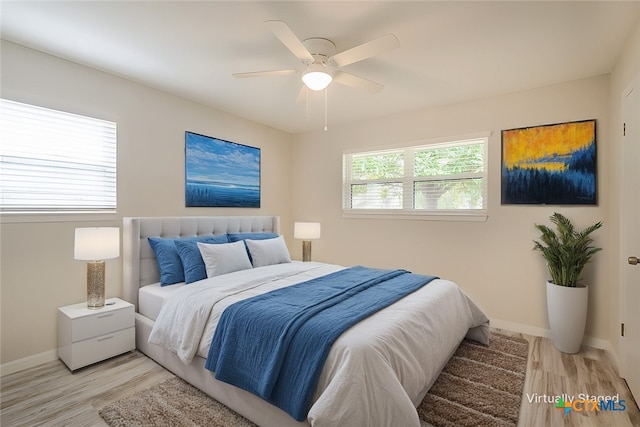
87 336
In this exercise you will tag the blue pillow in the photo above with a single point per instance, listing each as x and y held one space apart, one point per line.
168 260
192 262
234 237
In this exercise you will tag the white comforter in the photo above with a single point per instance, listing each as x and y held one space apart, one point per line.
376 373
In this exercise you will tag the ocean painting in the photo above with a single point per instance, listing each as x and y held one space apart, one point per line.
550 164
220 173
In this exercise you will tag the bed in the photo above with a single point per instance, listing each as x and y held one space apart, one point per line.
376 372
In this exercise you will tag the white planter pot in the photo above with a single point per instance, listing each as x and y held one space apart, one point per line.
567 309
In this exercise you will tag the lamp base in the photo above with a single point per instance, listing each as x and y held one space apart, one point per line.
306 250
95 284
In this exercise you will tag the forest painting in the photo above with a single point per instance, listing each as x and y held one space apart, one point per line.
550 164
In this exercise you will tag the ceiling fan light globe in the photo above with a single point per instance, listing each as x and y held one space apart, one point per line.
316 80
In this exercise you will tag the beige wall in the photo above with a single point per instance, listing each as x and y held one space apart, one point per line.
492 261
38 272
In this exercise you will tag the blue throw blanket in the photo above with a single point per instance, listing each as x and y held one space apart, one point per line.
275 345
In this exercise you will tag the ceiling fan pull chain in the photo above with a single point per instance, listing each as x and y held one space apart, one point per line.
325 107
306 102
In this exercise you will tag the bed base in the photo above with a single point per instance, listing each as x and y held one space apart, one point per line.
249 406
140 269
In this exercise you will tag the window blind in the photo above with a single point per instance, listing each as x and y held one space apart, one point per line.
53 161
450 177
421 179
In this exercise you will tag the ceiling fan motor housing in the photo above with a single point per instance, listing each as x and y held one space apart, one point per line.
321 49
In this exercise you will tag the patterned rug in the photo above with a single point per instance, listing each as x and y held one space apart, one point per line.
479 386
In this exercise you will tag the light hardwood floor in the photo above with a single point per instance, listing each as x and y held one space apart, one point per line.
553 373
50 395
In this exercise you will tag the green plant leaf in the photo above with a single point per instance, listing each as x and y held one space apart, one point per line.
566 250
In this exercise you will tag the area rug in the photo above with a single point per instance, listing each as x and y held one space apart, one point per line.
172 403
479 386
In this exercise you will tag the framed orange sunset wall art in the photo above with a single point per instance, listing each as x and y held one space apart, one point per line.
550 164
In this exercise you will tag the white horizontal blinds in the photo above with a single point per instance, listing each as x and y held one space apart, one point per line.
55 161
377 180
450 176
436 177
449 194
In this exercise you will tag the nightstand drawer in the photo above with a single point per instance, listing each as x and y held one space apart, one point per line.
101 323
86 336
95 349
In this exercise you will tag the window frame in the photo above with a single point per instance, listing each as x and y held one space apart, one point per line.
103 131
408 180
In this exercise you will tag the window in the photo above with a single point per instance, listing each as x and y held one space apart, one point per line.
435 179
52 161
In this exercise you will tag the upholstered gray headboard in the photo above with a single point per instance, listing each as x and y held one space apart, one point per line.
139 266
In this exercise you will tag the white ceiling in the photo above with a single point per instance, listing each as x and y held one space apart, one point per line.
449 51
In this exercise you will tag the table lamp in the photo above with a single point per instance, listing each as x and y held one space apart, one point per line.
95 245
306 231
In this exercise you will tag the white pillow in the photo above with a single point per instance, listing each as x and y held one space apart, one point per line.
224 258
268 251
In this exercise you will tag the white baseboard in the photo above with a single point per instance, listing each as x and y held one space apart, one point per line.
598 343
520 327
542 332
28 362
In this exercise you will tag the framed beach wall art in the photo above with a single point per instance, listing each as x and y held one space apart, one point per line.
221 173
550 164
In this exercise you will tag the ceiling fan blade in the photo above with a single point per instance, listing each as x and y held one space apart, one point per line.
356 82
365 50
282 31
264 73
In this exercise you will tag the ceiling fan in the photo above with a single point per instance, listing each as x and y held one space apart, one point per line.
322 64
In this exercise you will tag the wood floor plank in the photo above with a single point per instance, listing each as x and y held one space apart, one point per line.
553 373
50 395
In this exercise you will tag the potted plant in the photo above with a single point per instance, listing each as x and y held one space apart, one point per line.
566 251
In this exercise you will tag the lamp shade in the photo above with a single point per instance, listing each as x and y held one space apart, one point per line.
97 243
316 80
306 230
